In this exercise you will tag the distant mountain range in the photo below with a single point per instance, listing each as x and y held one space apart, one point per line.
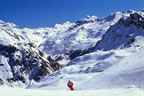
92 49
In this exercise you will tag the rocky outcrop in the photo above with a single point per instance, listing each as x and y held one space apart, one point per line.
123 34
26 63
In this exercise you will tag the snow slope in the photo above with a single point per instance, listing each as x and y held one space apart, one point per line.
82 69
109 92
126 73
115 62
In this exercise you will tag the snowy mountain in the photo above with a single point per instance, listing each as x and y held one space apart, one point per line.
112 60
79 38
20 59
127 32
95 53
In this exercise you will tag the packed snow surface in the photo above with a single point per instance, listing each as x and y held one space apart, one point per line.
104 92
113 69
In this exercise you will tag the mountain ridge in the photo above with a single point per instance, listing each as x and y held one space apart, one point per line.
91 45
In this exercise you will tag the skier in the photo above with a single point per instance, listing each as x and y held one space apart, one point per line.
70 85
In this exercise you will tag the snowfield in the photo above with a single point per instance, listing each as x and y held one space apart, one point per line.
101 56
5 91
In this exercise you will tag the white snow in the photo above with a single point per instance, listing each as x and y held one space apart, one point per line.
115 69
5 70
5 91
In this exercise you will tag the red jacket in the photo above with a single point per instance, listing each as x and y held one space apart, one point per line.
70 85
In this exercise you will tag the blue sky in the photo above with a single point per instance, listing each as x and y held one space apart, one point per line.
46 13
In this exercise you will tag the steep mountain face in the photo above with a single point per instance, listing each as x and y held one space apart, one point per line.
20 59
126 32
69 40
81 37
114 60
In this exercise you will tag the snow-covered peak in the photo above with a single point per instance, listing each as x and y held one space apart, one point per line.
125 33
66 24
20 59
80 36
100 52
115 16
7 25
1 21
90 19
90 45
63 27
130 11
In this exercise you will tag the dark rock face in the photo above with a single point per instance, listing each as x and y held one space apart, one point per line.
26 63
20 59
76 53
54 64
9 49
1 82
135 19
